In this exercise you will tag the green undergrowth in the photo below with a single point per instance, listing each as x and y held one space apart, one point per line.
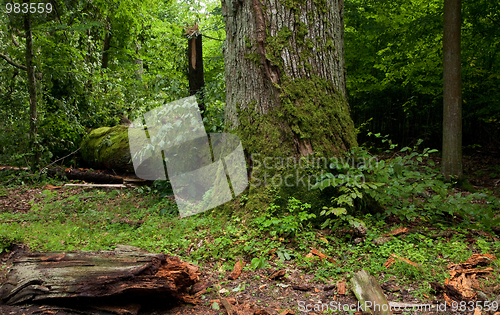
407 185
370 196
281 237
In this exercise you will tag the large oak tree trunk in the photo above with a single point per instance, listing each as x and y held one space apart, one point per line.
285 79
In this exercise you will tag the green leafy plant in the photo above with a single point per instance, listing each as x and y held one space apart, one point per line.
406 184
288 224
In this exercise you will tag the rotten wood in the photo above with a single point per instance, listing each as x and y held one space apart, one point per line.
97 185
104 274
78 174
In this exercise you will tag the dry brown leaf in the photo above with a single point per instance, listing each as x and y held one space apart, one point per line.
287 312
405 260
389 262
341 287
51 187
321 255
397 231
277 274
227 306
236 270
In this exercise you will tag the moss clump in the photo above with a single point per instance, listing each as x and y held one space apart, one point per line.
316 112
253 57
109 147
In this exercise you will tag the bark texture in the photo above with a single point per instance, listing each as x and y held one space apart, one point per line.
452 90
285 77
73 275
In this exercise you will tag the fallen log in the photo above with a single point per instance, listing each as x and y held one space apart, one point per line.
72 275
108 147
79 174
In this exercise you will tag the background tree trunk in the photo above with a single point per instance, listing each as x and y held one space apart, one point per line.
30 68
106 45
285 88
452 90
196 75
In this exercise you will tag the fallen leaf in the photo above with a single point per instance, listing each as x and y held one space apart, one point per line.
236 270
389 262
397 231
341 287
405 260
321 255
277 274
51 187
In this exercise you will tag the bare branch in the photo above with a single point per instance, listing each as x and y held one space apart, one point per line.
14 40
6 58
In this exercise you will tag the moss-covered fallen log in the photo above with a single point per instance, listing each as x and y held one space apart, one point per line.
108 147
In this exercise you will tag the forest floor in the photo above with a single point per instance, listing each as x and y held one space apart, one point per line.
49 218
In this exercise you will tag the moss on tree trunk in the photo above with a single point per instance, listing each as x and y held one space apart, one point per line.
285 87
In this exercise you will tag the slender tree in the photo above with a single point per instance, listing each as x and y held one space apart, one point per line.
196 76
30 68
452 90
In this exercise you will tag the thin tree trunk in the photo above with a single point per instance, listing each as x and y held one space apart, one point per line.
196 75
32 91
452 91
106 45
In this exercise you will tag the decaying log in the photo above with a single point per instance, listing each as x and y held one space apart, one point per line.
97 185
92 177
69 275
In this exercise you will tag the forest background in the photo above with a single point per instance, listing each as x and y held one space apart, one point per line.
393 53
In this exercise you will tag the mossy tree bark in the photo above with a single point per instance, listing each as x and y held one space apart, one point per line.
285 78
